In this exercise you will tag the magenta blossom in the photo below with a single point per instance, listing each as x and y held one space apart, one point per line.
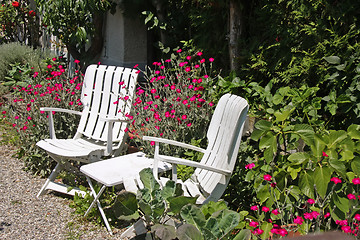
356 181
311 201
351 196
253 224
265 209
267 177
335 180
254 208
298 220
250 166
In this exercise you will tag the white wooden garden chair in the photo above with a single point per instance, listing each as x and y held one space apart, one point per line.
211 175
107 95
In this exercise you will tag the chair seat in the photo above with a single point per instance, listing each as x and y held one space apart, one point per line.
116 170
71 148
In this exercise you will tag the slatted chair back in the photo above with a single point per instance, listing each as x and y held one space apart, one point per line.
103 95
224 137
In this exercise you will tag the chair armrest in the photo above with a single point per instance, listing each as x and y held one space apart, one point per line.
51 120
175 143
110 121
51 109
175 160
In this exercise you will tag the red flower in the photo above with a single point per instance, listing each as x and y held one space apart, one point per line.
335 180
15 4
311 201
32 13
356 181
324 154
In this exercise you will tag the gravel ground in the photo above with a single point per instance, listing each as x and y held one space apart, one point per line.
23 216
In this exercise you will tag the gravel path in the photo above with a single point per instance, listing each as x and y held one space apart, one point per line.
23 216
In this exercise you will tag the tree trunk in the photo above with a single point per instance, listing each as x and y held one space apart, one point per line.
235 32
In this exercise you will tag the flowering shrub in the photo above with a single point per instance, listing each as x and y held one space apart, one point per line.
304 181
50 87
19 23
174 102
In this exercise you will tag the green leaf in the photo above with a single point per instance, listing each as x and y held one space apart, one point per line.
244 234
355 165
228 220
193 215
268 141
256 134
282 116
338 166
125 206
263 193
209 208
213 226
332 59
164 232
341 202
177 203
263 125
321 179
354 131
306 132
335 137
148 179
298 157
306 184
266 227
188 232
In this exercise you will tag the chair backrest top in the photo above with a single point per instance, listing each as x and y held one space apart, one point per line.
224 137
107 91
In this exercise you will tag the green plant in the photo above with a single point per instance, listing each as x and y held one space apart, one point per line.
19 23
21 55
169 215
48 87
174 102
78 24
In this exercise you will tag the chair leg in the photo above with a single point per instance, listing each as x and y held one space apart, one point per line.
96 200
55 172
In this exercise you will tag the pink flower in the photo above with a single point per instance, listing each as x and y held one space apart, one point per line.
136 65
250 166
188 124
179 51
265 209
327 215
357 217
275 212
183 117
16 117
49 66
282 232
211 59
335 180
298 220
254 208
258 231
202 60
273 184
253 224
153 90
152 143
356 181
77 61
311 201
182 64
187 69
324 154
351 196
188 57
341 222
199 53
267 177
346 229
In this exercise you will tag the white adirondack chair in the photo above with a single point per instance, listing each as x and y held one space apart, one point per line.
211 175
106 96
